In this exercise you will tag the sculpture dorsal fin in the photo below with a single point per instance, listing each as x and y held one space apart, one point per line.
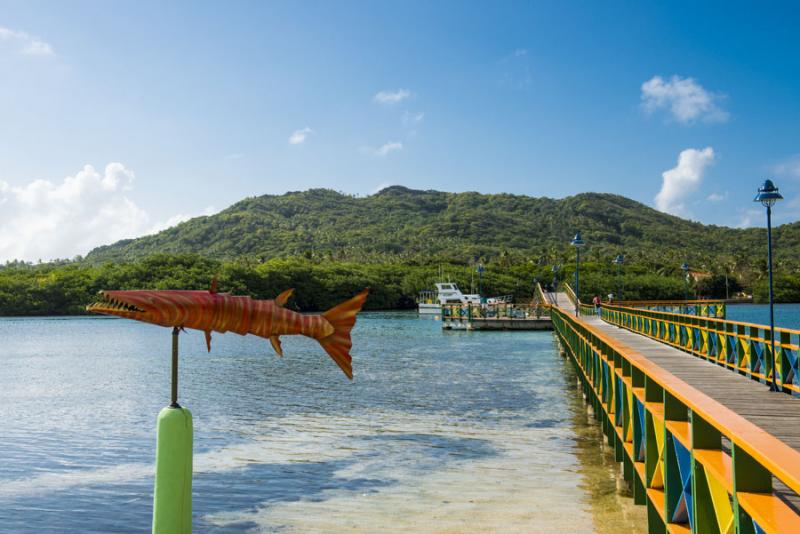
281 299
276 344
208 340
213 288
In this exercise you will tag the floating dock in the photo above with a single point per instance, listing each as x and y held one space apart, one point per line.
495 317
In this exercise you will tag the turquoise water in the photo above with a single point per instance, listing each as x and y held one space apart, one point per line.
786 315
439 431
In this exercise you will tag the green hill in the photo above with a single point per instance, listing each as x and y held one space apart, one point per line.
328 246
400 224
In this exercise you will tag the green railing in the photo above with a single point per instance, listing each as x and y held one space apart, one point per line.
741 347
697 466
585 309
493 311
698 308
539 297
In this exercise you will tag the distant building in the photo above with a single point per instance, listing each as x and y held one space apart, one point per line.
699 275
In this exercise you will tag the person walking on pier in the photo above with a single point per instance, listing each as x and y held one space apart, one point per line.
596 302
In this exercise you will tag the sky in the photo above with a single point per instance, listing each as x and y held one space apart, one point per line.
123 118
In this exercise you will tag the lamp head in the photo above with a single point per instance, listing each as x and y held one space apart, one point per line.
768 194
577 241
685 267
619 260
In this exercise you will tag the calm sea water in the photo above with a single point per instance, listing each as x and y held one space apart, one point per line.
786 315
439 431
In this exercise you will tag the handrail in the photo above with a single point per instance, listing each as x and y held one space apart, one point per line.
570 292
637 303
700 308
643 402
539 297
742 347
585 309
503 310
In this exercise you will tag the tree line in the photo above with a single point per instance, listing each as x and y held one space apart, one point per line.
65 288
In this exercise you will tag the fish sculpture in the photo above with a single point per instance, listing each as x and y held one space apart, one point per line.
211 311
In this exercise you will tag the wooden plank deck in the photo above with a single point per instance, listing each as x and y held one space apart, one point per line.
775 413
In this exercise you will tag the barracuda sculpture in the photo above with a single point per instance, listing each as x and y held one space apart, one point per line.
211 311
221 312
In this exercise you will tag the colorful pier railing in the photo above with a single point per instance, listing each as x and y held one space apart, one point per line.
741 347
698 308
696 464
585 309
493 311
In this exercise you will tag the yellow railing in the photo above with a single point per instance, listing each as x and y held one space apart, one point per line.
570 293
492 311
742 347
699 308
585 309
697 465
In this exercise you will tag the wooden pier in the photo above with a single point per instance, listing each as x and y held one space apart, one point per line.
682 399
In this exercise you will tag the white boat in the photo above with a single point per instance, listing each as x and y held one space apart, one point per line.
431 302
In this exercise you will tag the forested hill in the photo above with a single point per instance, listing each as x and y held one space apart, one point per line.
400 224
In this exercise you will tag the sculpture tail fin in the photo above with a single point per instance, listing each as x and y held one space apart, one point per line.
343 318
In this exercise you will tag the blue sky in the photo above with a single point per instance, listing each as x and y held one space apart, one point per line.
184 108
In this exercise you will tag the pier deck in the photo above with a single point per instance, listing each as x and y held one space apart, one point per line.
776 414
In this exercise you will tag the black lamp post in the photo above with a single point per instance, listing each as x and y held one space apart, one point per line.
618 261
685 269
577 242
480 271
768 195
554 270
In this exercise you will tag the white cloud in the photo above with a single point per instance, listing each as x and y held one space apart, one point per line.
751 217
683 179
388 148
179 218
686 99
25 43
717 197
46 219
392 97
299 136
411 118
788 167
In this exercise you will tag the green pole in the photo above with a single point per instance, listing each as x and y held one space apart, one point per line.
172 497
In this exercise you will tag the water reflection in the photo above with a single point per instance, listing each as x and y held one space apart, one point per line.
447 433
613 512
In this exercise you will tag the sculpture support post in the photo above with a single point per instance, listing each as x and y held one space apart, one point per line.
172 496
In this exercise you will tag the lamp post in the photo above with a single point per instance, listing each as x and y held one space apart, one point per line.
577 242
554 269
768 195
480 271
685 269
618 261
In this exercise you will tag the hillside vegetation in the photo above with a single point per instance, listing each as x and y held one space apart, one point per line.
329 245
403 225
